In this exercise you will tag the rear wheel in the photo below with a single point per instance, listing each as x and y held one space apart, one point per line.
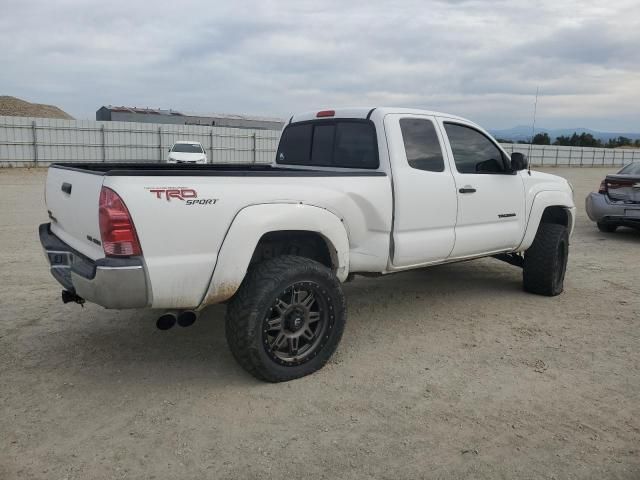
545 262
287 319
607 227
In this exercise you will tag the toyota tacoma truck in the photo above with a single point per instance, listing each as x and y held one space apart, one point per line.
369 191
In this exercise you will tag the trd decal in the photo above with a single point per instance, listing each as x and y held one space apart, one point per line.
188 195
506 215
169 193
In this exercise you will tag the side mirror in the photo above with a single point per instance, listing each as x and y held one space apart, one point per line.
519 161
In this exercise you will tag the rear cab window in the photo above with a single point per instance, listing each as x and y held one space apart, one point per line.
341 143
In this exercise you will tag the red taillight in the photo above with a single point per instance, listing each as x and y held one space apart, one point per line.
326 113
603 187
119 237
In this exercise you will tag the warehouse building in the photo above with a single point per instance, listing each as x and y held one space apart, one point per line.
173 117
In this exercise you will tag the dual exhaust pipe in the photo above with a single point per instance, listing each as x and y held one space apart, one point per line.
185 318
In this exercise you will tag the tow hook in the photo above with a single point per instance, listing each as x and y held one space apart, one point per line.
68 296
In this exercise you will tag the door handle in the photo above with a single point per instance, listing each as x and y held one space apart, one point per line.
467 189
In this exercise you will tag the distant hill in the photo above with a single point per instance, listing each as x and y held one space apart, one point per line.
523 132
15 107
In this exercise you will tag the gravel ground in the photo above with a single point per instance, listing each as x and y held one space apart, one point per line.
449 372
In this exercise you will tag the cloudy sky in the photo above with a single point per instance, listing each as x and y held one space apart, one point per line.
479 59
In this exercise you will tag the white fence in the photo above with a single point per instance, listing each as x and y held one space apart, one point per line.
28 141
40 141
552 155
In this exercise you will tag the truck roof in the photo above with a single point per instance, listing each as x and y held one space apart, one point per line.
366 112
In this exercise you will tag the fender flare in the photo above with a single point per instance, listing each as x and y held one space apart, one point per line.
541 201
254 221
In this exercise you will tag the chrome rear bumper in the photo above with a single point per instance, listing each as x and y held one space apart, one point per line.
110 282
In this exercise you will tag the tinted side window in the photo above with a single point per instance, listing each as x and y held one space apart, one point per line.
421 144
295 145
472 151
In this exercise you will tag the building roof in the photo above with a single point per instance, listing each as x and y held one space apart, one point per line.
160 111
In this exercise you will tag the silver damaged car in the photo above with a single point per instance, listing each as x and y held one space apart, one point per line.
617 201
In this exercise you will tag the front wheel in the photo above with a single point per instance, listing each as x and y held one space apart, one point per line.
287 318
545 262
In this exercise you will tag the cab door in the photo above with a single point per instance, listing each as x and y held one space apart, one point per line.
425 199
491 207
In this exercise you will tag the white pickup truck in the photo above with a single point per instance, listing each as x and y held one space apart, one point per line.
353 191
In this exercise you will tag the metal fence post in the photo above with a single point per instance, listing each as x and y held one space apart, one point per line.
211 145
35 142
104 144
159 144
569 161
581 155
253 147
557 150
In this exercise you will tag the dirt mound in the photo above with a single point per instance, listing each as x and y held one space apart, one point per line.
15 107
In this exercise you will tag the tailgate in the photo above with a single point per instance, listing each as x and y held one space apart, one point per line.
72 198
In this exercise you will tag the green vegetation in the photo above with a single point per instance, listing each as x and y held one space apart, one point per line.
584 140
541 139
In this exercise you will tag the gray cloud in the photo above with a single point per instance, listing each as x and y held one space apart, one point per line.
480 59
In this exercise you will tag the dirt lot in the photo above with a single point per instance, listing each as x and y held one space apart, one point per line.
450 372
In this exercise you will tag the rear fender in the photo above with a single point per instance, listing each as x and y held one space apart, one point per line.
248 227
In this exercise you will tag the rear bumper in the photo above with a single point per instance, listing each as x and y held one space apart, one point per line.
110 282
600 209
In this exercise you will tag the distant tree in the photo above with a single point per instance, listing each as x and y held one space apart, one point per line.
588 140
637 143
575 140
504 140
541 139
563 140
619 142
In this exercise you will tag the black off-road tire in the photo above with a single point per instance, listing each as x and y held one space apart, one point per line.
545 262
606 227
250 308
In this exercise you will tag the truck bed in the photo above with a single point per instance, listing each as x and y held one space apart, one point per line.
181 239
210 170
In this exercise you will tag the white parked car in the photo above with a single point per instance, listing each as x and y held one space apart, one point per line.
187 152
354 191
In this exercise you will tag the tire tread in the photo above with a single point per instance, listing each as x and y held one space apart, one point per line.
540 261
243 317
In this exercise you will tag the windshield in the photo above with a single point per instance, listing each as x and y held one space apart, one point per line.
187 148
631 169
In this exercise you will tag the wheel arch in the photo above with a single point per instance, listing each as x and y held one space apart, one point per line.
301 243
266 230
548 207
